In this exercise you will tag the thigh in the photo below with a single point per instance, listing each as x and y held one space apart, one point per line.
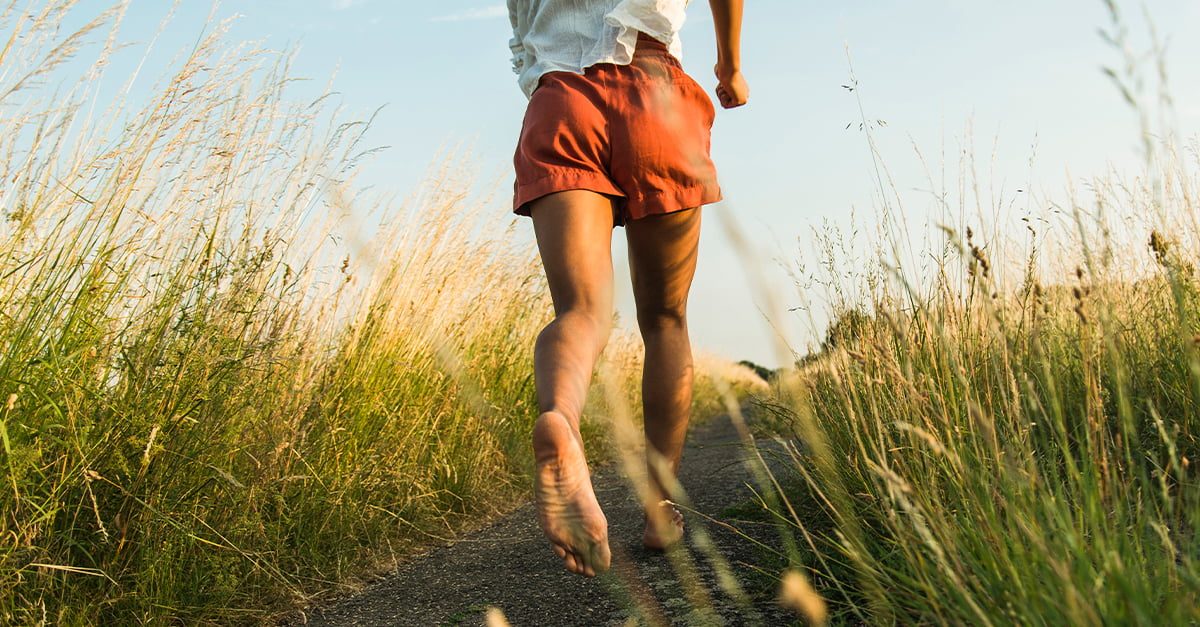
574 237
662 261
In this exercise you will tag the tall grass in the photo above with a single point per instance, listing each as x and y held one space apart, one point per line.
1008 438
210 405
214 390
219 398
993 463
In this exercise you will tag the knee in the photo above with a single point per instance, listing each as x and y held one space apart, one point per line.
662 319
596 325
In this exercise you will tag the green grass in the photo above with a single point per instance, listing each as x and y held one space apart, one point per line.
210 411
1008 438
219 399
1007 461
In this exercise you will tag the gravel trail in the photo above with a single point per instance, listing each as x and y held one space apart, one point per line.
509 565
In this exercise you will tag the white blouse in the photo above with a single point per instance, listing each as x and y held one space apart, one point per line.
572 35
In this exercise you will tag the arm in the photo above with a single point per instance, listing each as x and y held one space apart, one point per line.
732 89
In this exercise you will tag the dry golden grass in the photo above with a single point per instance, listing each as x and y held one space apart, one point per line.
219 397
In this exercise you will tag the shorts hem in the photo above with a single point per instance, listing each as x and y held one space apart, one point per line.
682 200
562 181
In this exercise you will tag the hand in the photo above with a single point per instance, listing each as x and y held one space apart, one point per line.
732 89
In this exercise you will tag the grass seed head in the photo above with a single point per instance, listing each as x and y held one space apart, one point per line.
798 595
496 618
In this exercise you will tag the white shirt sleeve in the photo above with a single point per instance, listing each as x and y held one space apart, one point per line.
661 19
514 44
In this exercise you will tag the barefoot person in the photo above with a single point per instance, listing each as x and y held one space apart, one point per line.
615 134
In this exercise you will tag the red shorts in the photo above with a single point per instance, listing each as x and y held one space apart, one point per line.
638 133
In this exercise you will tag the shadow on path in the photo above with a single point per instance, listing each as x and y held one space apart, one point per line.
510 565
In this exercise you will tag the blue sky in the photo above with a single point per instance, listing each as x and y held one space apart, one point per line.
1013 79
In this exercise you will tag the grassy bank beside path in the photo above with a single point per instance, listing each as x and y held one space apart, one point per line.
226 386
1001 429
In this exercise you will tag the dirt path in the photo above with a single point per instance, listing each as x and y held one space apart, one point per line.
509 564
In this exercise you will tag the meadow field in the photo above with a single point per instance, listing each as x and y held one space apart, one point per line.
220 399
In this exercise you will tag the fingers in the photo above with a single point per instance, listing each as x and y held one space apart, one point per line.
731 97
728 100
732 89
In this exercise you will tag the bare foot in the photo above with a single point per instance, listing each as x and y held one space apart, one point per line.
664 526
567 508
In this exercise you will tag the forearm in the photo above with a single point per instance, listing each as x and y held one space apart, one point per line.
727 18
732 90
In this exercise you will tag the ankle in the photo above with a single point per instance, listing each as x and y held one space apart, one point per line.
658 509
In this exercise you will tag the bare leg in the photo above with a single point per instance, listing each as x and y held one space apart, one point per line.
662 261
574 235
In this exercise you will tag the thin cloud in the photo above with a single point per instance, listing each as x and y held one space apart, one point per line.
485 13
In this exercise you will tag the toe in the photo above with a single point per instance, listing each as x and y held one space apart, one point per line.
601 558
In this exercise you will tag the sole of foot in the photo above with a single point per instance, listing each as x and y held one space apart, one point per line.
567 508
